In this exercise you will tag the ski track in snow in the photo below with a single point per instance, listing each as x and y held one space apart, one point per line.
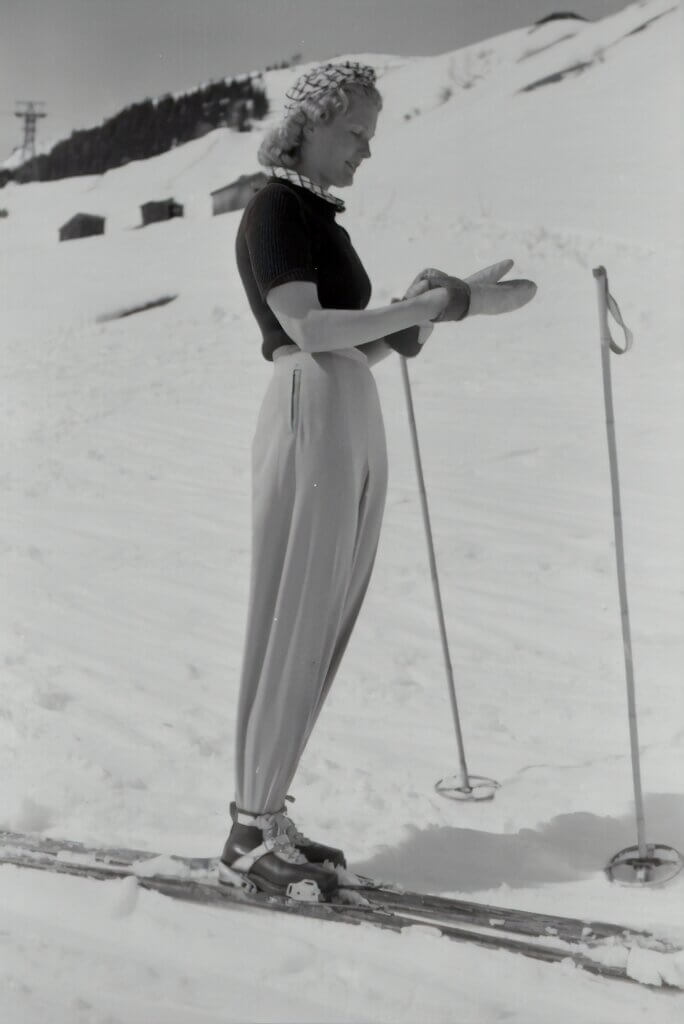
124 543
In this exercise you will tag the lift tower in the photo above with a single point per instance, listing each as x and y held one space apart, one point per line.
29 114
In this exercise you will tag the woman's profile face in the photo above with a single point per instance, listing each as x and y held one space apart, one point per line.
332 150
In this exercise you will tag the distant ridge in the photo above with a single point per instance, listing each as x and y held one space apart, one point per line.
148 128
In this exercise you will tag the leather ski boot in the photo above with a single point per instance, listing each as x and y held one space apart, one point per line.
315 853
259 856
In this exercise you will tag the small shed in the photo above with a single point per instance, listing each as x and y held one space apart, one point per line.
81 225
236 195
160 209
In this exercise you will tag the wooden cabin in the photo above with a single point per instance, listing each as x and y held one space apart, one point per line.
160 209
236 195
81 225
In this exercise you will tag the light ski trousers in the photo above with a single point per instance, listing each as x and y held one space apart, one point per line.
319 481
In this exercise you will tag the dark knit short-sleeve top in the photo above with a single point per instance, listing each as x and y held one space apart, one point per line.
288 233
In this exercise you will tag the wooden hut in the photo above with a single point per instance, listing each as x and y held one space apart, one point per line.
81 225
160 209
236 195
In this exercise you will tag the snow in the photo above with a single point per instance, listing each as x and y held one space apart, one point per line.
124 542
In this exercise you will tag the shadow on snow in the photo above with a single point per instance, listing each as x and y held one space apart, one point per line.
567 848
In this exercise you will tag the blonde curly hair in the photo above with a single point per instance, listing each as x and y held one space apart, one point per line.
282 144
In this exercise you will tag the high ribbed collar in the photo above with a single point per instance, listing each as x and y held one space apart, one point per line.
301 179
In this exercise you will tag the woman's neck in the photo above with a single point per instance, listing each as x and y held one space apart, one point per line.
297 178
313 174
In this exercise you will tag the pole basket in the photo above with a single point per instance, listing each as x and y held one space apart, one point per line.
471 787
656 865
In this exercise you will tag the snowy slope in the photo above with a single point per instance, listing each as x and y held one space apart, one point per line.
124 545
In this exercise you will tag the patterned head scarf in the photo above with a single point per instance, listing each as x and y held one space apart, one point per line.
325 77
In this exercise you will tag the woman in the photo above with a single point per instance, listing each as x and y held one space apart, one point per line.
319 462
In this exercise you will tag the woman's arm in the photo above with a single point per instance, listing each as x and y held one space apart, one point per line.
376 351
314 329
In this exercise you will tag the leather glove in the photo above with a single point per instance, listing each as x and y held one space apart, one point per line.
482 292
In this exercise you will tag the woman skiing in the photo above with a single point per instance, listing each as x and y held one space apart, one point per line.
319 461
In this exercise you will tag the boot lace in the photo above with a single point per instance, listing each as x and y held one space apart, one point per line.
279 836
295 835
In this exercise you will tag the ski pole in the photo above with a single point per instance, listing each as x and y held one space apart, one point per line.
608 345
468 787
640 867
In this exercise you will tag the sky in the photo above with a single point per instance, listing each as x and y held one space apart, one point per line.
86 59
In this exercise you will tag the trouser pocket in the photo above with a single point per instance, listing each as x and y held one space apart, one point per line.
294 398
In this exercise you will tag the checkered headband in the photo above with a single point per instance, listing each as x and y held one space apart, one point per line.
325 77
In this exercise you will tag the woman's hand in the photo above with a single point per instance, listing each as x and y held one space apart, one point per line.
418 285
482 292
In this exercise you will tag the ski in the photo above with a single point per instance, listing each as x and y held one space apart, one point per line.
194 880
523 922
213 894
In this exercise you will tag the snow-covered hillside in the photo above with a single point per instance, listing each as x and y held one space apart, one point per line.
125 531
